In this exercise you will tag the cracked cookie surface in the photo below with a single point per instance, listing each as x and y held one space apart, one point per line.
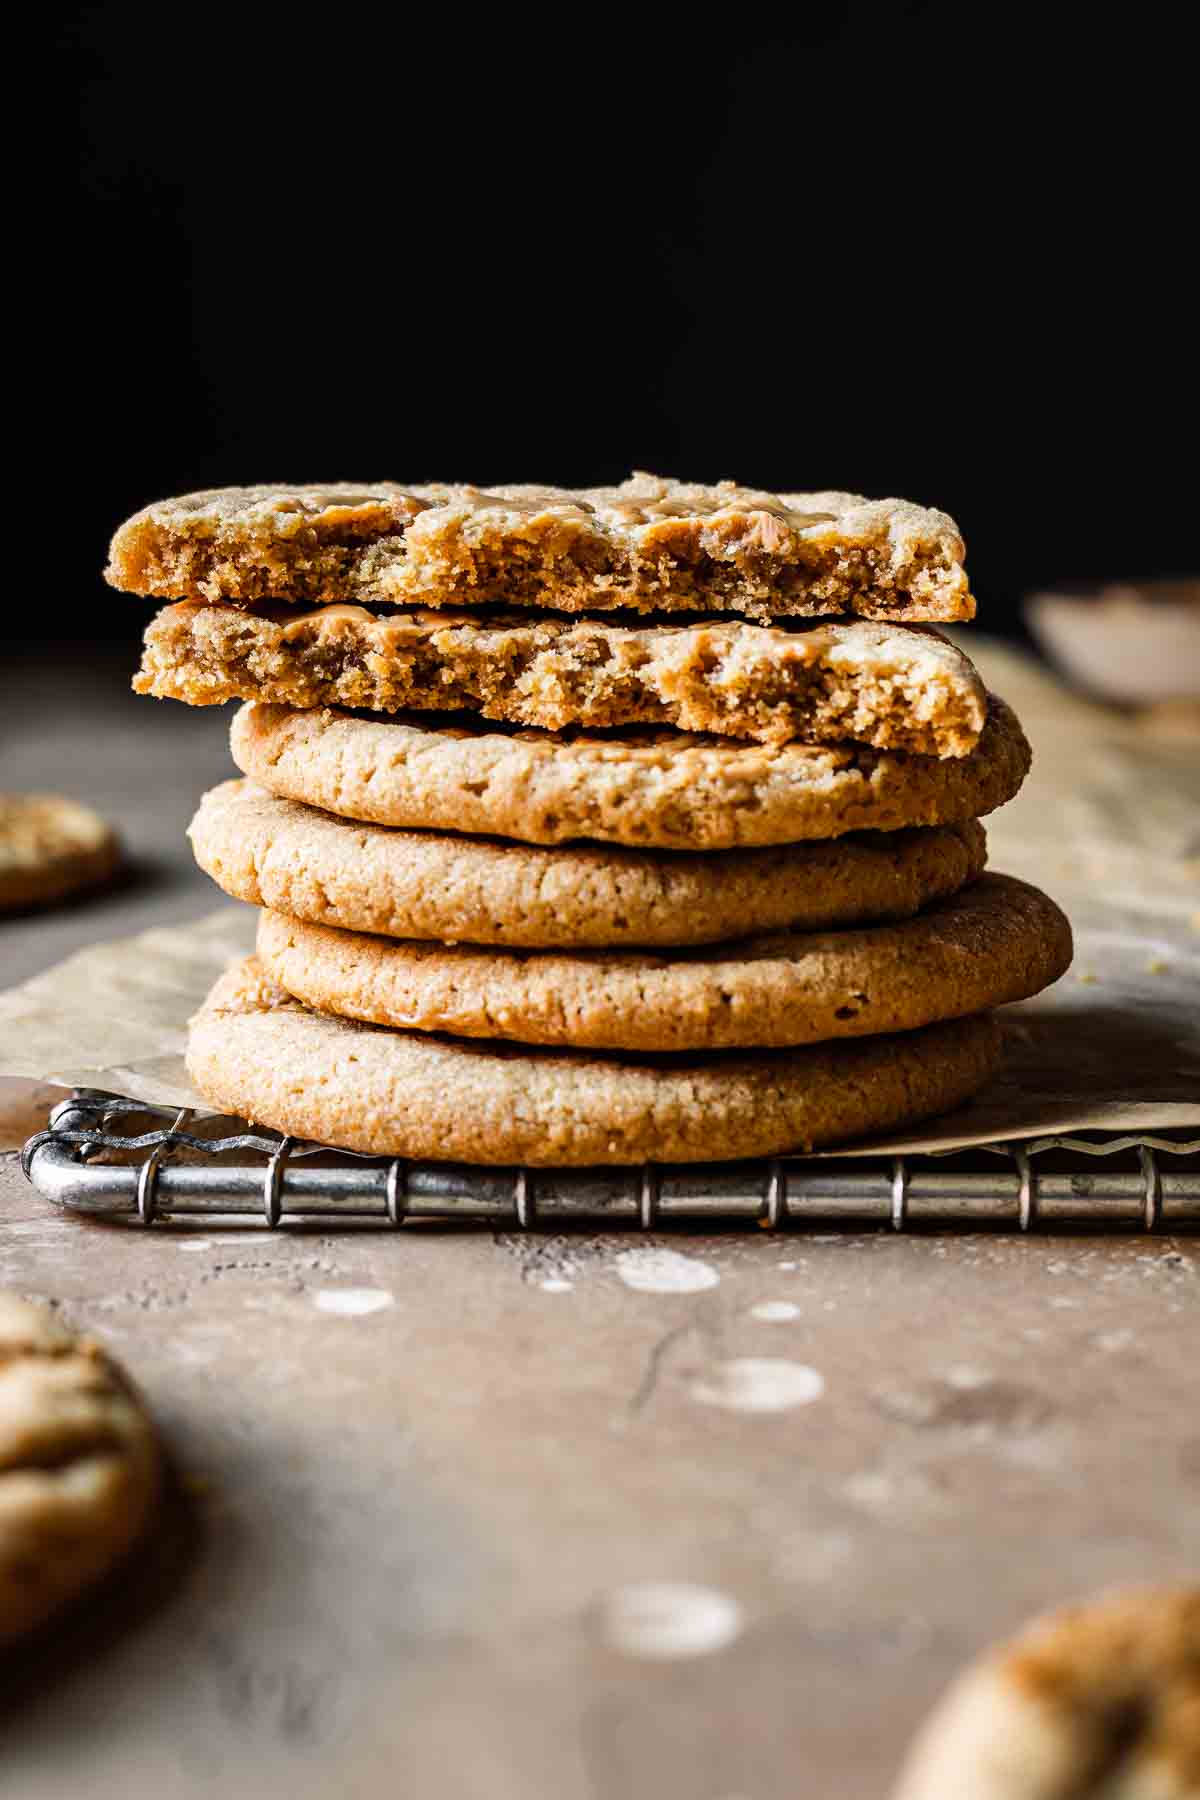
423 884
996 941
256 1052
665 789
651 543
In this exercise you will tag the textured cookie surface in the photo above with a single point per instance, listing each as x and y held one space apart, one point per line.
424 884
996 941
664 788
1095 1702
894 686
254 1051
651 543
79 1467
51 847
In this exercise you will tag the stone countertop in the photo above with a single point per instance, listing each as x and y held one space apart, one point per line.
409 1525
430 1486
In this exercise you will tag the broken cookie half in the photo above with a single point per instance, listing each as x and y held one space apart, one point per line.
651 544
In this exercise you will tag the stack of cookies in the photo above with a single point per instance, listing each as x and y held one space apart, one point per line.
601 826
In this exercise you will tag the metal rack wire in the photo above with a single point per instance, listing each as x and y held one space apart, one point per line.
294 1182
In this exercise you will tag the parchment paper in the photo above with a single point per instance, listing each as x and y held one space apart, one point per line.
1108 823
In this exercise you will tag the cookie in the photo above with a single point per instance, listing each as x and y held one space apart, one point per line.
664 788
79 1465
652 544
894 686
422 884
1095 1700
254 1051
996 941
51 847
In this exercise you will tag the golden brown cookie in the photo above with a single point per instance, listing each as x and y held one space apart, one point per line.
996 941
666 789
79 1465
51 847
254 1051
653 544
1095 1702
902 687
428 884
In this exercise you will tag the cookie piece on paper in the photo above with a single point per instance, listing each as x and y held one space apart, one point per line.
256 1052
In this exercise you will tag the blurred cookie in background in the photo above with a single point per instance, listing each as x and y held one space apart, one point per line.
1099 1701
51 847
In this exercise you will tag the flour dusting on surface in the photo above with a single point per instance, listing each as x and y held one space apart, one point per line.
775 1312
664 1272
760 1384
660 1620
966 1376
191 1242
352 1303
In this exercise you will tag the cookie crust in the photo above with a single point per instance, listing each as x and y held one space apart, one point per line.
254 1051
893 686
79 1465
666 789
51 847
998 940
1097 1698
420 884
652 543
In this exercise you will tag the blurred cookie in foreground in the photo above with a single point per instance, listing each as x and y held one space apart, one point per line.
1099 1701
79 1465
51 847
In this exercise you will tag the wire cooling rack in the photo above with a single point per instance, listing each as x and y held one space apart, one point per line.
187 1168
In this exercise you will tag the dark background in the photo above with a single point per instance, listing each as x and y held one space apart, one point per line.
941 251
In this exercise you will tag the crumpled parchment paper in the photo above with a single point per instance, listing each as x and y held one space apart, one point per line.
1108 823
